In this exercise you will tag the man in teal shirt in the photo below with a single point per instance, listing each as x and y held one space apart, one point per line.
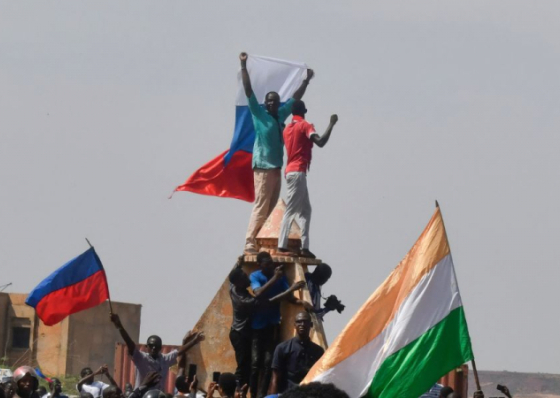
268 150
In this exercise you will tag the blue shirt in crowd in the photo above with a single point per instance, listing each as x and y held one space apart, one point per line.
268 315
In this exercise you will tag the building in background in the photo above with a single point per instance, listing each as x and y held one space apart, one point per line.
84 339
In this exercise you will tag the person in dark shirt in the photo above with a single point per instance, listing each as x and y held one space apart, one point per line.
244 305
293 358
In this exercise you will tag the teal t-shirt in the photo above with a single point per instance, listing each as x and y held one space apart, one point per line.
268 150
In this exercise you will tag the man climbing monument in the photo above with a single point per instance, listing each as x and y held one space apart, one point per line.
299 137
268 151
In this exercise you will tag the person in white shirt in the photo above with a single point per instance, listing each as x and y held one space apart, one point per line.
88 383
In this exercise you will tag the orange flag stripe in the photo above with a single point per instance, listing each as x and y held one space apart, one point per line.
383 304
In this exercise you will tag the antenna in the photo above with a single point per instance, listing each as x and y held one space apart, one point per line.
3 287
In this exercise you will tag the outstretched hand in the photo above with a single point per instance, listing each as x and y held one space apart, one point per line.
298 285
334 119
310 74
211 387
193 335
194 385
116 320
505 390
279 271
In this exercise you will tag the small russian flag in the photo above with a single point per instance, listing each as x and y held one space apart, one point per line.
76 286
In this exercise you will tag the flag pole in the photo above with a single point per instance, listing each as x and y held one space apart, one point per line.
109 298
475 371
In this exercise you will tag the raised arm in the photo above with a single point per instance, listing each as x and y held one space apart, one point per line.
105 371
322 140
189 341
289 296
301 90
245 75
124 334
288 293
278 273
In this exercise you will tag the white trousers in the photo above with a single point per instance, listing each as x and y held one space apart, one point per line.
298 206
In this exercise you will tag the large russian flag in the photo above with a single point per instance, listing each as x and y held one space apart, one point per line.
230 174
409 333
76 286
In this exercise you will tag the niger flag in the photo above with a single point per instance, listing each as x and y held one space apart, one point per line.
409 333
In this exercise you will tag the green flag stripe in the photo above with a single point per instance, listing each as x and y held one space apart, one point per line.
411 371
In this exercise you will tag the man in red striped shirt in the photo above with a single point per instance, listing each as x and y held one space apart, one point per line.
299 137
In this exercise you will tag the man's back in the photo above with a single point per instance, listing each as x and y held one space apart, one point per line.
297 139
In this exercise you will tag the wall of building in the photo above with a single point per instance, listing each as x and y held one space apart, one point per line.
92 337
87 338
19 317
51 348
4 305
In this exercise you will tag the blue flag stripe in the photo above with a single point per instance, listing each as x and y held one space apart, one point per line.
244 132
74 271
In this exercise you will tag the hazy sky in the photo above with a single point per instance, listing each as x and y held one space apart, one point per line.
106 106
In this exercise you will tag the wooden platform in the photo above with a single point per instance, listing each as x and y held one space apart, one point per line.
284 259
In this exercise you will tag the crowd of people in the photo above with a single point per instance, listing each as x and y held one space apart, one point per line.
25 384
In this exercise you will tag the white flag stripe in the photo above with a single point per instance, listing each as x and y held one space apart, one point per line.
432 299
270 74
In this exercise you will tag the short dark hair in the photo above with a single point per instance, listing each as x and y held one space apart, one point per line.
272 92
85 371
323 268
445 391
227 383
107 392
235 274
263 256
315 390
298 108
182 384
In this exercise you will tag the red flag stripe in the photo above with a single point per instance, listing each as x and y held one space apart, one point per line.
88 293
232 181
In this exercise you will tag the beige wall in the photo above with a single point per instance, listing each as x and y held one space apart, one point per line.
84 339
92 337
19 314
